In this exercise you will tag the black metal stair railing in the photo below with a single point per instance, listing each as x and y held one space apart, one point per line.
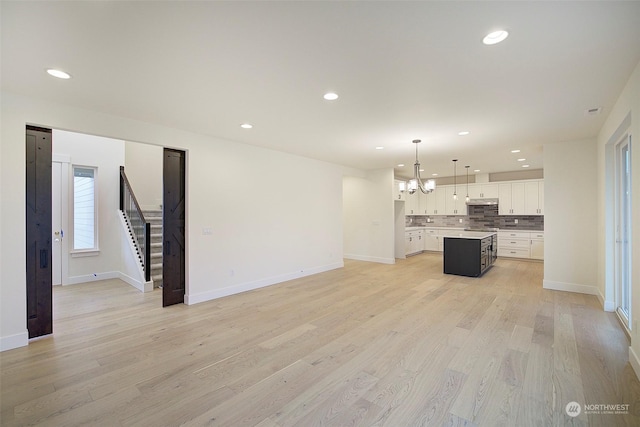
140 228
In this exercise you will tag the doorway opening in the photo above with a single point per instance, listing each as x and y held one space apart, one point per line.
60 261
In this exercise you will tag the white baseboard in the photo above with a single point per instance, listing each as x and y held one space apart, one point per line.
379 260
141 286
93 277
249 286
634 361
606 305
570 287
14 341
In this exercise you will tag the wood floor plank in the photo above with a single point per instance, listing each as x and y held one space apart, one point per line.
337 404
521 338
368 344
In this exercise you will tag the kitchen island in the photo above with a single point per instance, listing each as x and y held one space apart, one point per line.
469 253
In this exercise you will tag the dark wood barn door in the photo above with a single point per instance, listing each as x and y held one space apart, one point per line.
173 262
38 232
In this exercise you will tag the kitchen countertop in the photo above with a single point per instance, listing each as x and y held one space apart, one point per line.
423 227
469 234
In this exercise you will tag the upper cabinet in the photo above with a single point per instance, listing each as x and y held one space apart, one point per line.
524 197
534 198
485 190
454 206
436 202
511 197
413 203
521 198
397 194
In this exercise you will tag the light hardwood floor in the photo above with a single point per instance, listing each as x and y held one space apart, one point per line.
369 344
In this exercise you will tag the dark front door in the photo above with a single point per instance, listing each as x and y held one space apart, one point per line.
38 232
173 216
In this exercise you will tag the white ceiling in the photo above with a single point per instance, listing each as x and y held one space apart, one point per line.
403 70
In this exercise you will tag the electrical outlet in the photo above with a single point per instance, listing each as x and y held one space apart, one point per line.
460 220
515 221
207 231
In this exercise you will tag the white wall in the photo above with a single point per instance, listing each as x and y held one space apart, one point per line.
624 115
143 166
267 224
369 216
570 217
107 155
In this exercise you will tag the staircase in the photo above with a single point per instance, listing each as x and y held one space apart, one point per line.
155 218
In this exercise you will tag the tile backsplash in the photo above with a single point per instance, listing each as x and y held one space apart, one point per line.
437 221
480 217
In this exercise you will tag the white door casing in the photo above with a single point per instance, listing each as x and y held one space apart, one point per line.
59 218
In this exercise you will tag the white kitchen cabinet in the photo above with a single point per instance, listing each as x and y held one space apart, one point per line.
512 198
408 243
504 196
483 191
411 204
414 242
436 201
474 191
431 240
397 194
515 244
521 244
454 206
517 198
424 204
537 245
489 191
534 198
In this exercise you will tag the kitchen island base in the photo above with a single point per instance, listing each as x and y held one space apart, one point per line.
469 256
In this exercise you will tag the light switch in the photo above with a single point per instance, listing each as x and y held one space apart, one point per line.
207 231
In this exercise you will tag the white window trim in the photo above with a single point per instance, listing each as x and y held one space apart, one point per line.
78 253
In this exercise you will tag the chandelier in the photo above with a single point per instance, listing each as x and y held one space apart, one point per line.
416 183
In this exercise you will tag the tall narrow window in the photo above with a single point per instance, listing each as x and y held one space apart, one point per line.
84 208
623 228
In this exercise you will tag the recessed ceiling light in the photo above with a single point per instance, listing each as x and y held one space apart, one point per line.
495 37
379 148
464 132
246 126
401 165
521 160
476 170
434 174
515 151
421 170
59 74
525 166
330 96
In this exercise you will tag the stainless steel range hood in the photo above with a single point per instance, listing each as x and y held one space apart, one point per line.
482 202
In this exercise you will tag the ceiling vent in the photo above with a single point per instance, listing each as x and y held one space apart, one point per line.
592 111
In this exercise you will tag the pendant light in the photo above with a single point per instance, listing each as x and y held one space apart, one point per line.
455 193
416 183
467 168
